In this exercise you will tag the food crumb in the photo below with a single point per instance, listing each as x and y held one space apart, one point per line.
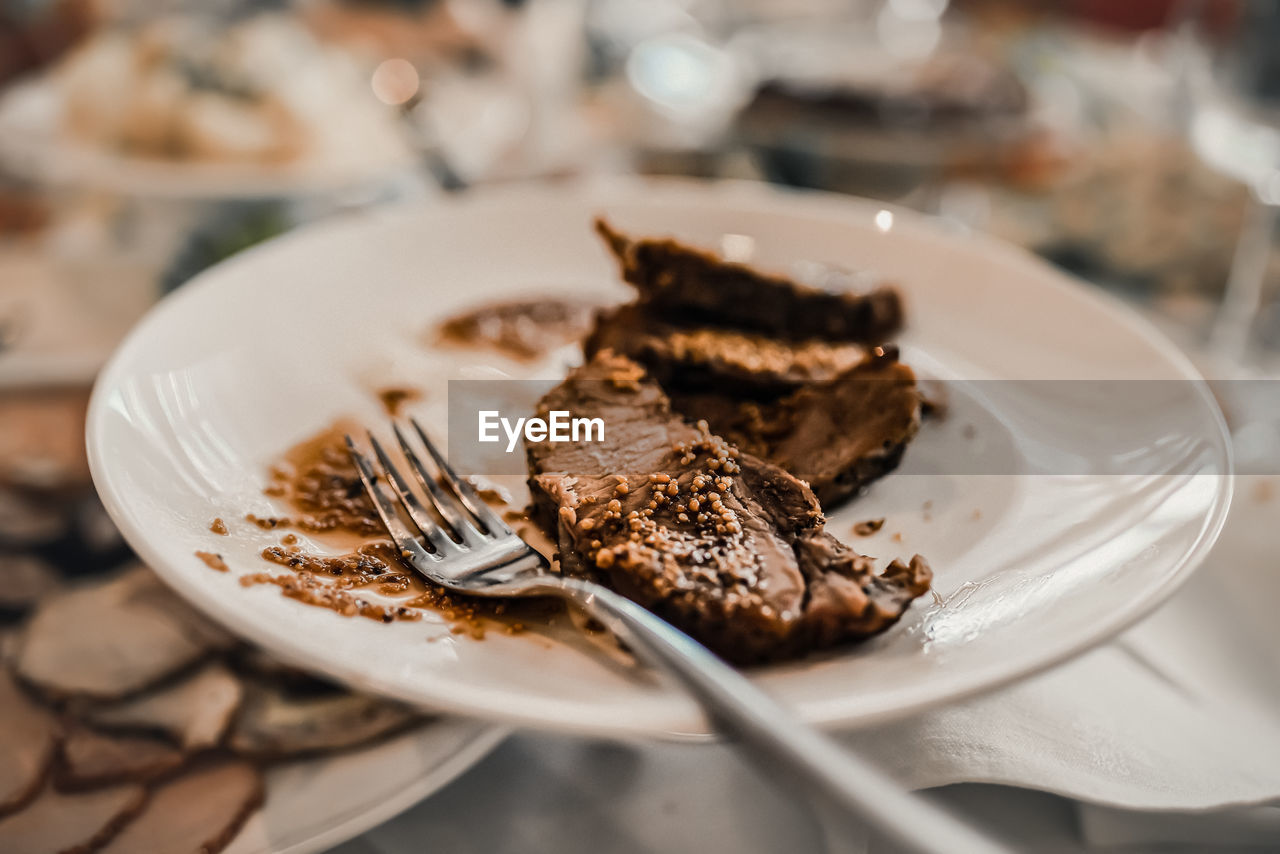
311 589
289 540
1263 492
219 527
868 527
969 431
213 561
977 514
897 537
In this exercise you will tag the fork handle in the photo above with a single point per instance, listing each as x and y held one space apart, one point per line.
778 742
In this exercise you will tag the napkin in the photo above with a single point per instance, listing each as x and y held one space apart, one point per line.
1181 713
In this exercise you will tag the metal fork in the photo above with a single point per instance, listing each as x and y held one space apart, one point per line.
476 553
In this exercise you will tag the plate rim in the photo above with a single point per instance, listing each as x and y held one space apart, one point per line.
691 724
478 745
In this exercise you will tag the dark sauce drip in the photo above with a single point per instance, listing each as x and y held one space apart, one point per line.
394 398
522 329
318 479
320 483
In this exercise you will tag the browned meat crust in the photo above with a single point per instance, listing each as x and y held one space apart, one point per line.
724 545
722 359
836 416
838 435
703 287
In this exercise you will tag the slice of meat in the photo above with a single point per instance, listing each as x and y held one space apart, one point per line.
838 435
27 522
942 93
91 759
9 639
724 545
195 712
111 638
197 813
24 580
724 360
275 724
28 740
58 823
698 286
260 665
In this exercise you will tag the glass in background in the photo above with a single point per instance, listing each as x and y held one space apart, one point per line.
1231 79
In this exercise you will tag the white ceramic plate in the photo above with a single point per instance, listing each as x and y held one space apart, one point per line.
319 803
1030 568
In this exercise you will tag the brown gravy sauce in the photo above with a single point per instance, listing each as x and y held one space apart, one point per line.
317 480
322 489
393 398
524 329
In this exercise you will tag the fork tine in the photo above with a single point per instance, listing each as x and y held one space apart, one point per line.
445 505
491 521
405 541
409 500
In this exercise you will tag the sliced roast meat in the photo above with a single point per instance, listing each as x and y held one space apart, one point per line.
28 739
948 91
258 664
24 580
838 435
111 638
9 641
58 823
698 286
717 359
276 724
197 813
194 712
90 759
28 522
724 545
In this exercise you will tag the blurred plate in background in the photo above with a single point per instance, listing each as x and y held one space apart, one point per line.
314 805
35 146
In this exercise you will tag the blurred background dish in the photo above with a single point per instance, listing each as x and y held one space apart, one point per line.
839 108
192 107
